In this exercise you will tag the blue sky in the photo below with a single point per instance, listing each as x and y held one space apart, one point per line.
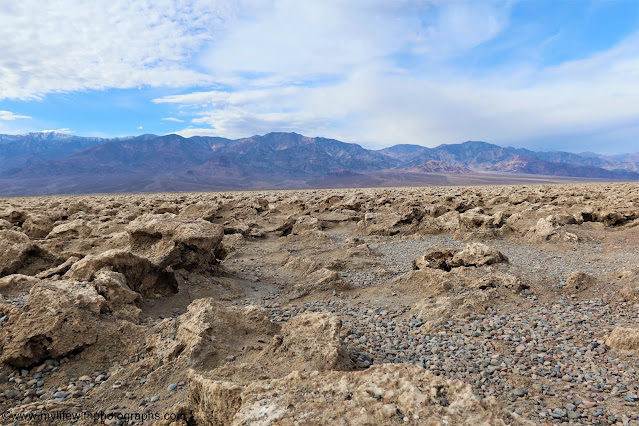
531 73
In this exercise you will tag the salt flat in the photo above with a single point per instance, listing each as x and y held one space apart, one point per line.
472 305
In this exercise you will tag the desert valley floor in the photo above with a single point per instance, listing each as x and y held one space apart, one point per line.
437 305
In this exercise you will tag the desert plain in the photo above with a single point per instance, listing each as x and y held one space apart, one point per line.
475 305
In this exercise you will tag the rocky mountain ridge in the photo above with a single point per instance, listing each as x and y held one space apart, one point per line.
52 163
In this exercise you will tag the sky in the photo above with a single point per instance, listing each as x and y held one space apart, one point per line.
540 74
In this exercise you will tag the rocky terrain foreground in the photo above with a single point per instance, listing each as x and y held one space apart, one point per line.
444 305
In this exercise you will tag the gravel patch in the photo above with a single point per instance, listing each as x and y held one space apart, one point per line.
547 363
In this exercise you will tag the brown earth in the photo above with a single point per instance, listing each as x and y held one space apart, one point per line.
444 305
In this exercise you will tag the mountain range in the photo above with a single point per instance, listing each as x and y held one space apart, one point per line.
53 163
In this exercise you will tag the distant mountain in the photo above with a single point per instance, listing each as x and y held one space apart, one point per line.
51 163
632 157
434 166
589 154
485 156
406 152
31 148
602 161
535 166
157 155
626 158
294 154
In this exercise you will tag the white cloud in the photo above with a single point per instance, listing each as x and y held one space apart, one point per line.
64 131
295 40
382 109
461 26
140 127
368 71
592 101
301 38
10 116
188 132
66 45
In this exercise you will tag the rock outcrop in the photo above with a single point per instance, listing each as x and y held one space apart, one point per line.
18 254
477 254
16 285
474 254
73 229
436 259
625 340
58 319
308 342
175 241
579 281
549 229
204 331
383 394
321 280
141 274
37 226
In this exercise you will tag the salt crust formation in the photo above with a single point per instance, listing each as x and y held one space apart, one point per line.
245 304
